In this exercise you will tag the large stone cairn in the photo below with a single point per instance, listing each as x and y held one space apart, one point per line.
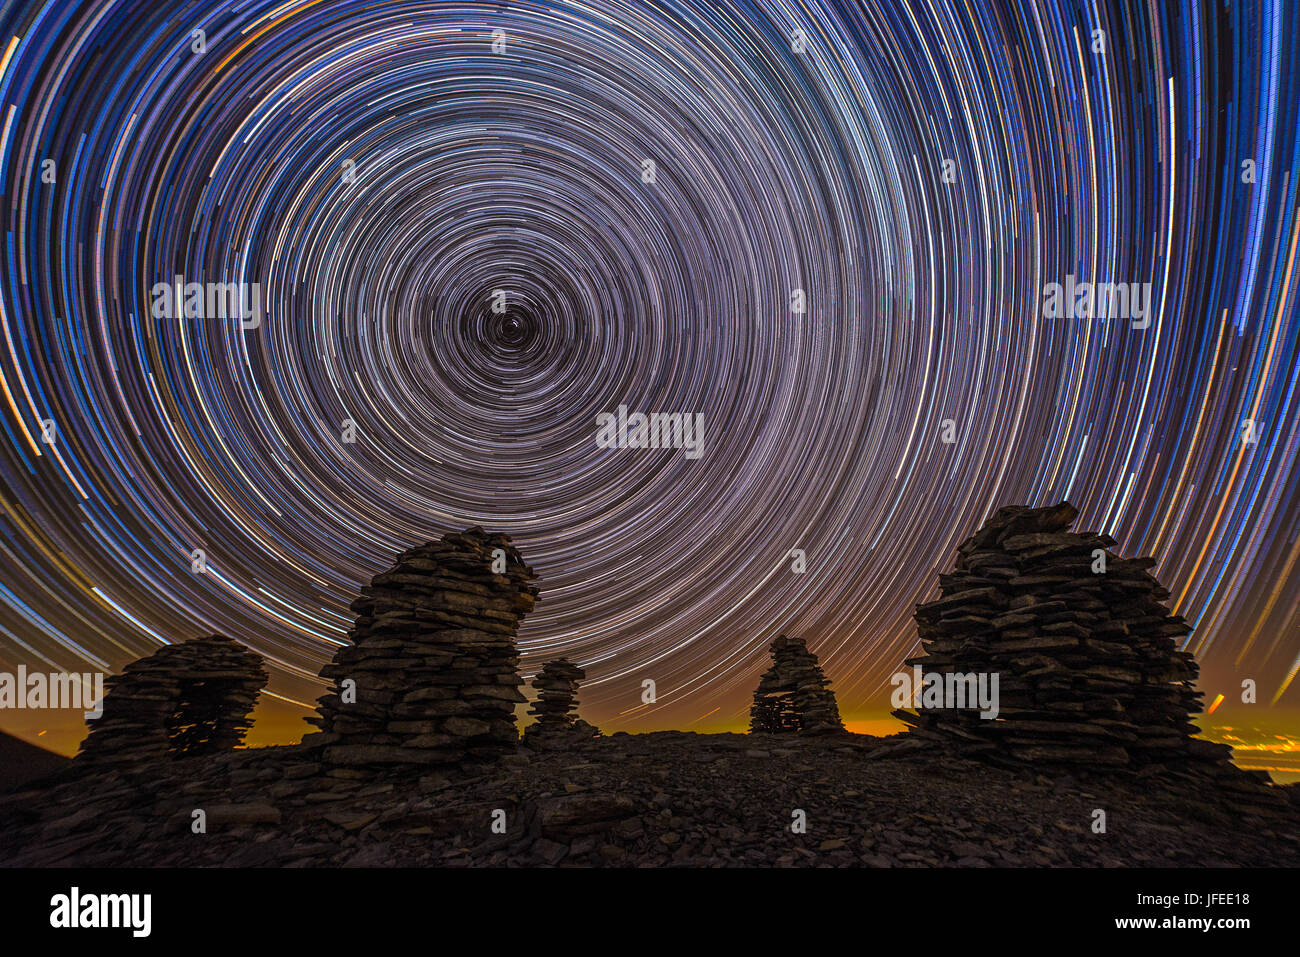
1088 664
185 700
556 707
433 659
794 695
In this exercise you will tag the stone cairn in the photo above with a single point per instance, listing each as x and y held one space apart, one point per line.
185 700
1085 650
556 707
794 695
432 674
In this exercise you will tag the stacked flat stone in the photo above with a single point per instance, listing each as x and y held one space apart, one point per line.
433 659
556 707
1088 661
794 696
185 700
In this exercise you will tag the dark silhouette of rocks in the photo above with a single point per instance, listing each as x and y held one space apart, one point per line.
1089 669
793 695
432 674
659 799
556 707
185 700
413 771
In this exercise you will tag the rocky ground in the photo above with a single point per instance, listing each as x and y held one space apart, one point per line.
666 799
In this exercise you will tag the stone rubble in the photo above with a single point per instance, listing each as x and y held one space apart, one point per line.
662 799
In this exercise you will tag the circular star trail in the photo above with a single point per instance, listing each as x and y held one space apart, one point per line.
465 230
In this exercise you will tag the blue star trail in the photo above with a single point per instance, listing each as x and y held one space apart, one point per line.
825 227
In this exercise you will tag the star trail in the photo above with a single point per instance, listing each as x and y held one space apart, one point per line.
473 228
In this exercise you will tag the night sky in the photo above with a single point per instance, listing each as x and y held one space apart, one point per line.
826 227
